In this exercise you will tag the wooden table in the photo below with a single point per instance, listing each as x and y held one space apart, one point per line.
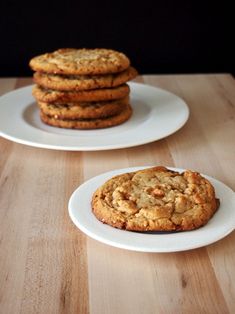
47 265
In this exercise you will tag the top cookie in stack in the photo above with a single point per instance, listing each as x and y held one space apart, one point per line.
83 88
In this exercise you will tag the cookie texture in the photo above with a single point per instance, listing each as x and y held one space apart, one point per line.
83 88
61 97
155 199
98 123
80 61
83 82
84 110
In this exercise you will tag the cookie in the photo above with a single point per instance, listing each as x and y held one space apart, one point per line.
123 116
84 110
71 61
61 97
155 199
83 82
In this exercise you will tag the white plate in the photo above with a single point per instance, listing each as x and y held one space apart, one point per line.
220 225
157 114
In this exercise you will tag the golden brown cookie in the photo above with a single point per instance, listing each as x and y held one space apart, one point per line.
106 122
80 61
84 110
83 82
61 97
155 199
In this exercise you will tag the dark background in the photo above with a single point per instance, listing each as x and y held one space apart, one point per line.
159 37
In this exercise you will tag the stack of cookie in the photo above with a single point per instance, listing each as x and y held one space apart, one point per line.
83 88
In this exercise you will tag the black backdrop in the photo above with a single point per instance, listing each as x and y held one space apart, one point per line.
159 37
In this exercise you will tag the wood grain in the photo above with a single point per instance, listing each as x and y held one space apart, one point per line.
47 265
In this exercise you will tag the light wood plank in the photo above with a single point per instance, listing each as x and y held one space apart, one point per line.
6 85
42 241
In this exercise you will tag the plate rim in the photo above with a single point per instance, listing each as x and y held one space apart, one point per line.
105 176
98 147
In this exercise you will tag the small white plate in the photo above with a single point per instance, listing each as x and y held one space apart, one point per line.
220 225
156 114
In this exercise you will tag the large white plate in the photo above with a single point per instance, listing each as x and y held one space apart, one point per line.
220 225
157 114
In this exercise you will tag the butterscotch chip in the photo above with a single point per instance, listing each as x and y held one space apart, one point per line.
61 97
83 82
80 61
84 110
123 116
155 199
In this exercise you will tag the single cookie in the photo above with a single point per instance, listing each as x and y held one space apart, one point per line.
84 110
123 116
155 199
83 82
80 61
61 97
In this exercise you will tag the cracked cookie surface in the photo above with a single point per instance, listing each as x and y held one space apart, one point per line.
155 199
84 110
80 61
83 82
98 123
61 97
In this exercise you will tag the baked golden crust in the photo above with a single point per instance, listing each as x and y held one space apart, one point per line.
61 97
84 110
71 61
155 199
98 123
83 82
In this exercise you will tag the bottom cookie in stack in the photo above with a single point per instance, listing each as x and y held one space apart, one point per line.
86 115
